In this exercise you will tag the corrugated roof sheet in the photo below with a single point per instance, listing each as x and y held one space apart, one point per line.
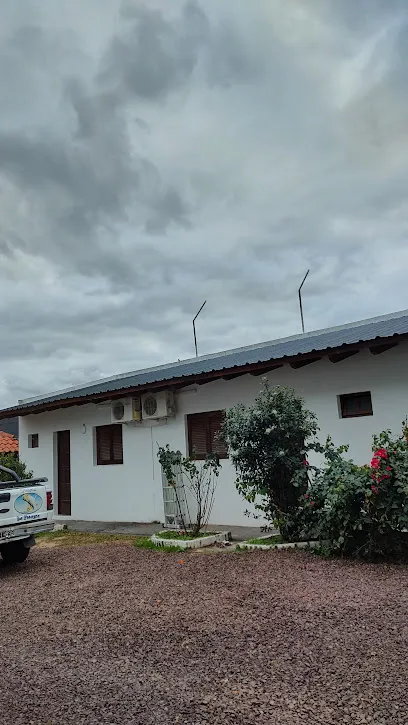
362 331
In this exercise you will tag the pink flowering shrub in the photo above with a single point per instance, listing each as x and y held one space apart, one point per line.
387 499
362 510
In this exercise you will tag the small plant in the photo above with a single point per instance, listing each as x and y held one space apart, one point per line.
10 460
182 535
268 443
200 479
145 542
266 541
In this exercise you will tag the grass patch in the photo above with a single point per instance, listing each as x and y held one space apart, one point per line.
56 539
270 541
145 542
182 537
80 538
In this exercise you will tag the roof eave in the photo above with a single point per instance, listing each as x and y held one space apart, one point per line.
200 378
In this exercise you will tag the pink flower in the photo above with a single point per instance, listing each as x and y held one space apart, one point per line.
381 453
374 489
312 503
305 462
389 468
306 495
375 463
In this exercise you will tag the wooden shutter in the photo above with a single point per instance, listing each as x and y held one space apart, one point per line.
109 447
103 446
215 424
356 404
117 446
203 429
198 435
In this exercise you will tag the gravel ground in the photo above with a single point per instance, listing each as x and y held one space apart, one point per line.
109 634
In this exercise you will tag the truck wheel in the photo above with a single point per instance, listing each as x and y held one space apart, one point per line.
14 553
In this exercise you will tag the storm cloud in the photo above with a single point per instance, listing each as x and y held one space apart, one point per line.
155 154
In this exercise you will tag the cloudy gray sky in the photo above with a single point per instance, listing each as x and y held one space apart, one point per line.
154 154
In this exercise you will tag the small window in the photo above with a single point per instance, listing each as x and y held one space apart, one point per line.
355 405
203 430
109 446
33 440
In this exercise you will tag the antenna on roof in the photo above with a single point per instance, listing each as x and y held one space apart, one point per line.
194 329
300 300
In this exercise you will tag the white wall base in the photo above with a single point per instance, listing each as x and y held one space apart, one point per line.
289 545
192 543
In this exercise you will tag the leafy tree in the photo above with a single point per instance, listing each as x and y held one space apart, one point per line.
268 444
10 460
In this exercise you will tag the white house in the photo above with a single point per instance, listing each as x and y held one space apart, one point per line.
354 377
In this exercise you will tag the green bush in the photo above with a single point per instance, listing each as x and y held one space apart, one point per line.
333 506
268 443
361 510
10 460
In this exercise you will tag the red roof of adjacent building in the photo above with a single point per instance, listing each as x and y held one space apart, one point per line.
8 444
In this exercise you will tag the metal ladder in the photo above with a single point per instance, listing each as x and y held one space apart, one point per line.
175 502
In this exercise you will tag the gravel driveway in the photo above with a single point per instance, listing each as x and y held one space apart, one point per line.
109 634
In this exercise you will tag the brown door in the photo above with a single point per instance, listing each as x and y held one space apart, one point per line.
64 472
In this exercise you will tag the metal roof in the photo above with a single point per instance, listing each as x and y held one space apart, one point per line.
334 337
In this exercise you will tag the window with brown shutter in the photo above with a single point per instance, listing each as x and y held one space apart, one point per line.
203 430
355 405
33 440
109 446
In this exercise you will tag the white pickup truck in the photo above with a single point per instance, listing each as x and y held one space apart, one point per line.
26 508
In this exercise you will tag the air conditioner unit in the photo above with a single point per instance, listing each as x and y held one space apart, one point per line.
126 410
158 405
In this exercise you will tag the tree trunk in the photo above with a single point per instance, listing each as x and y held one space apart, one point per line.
287 495
286 498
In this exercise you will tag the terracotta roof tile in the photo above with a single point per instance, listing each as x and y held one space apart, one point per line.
8 444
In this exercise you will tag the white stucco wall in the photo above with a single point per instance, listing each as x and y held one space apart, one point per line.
133 492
